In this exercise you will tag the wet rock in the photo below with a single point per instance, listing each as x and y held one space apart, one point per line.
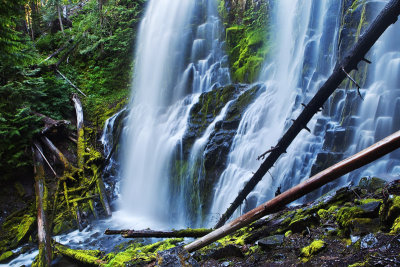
225 252
301 224
371 184
371 209
175 257
368 241
271 241
363 226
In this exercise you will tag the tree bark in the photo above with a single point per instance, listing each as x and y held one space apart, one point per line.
60 156
356 161
386 17
60 18
80 131
159 234
45 252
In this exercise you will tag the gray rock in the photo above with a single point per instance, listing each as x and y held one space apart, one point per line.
227 251
372 208
175 257
368 241
271 241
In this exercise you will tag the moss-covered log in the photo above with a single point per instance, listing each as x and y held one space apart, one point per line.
387 17
84 256
159 234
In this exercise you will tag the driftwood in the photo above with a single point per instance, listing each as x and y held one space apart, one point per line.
159 234
356 161
45 252
387 17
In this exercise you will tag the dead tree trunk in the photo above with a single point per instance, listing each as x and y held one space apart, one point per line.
356 161
60 18
102 192
79 128
51 125
45 252
159 234
60 156
387 17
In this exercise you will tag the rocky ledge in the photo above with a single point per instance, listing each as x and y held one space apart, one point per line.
354 226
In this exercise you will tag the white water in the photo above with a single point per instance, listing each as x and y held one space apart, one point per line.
291 76
379 114
165 87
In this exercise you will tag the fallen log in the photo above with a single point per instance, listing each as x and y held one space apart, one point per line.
60 156
79 255
102 192
45 252
58 51
386 17
159 234
356 161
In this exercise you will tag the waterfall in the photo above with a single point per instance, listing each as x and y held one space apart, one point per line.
378 115
179 55
304 37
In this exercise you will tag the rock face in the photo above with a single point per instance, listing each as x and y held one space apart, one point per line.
201 168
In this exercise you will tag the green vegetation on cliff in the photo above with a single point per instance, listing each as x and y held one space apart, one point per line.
247 35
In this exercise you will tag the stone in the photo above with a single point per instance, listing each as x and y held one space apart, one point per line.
368 241
371 209
175 257
227 251
271 241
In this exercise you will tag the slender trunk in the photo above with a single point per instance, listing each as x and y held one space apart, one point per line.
387 17
45 252
60 18
356 161
80 130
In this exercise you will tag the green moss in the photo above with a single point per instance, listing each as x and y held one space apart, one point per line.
367 201
396 226
315 247
23 229
20 189
323 214
346 214
137 253
6 255
92 257
247 41
288 233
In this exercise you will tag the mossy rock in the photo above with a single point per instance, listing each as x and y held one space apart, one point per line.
315 247
390 210
6 256
371 184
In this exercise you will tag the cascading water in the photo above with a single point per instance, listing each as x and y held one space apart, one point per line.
179 55
379 113
305 33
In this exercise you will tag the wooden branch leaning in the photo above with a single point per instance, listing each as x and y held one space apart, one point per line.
45 251
386 17
159 234
356 161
